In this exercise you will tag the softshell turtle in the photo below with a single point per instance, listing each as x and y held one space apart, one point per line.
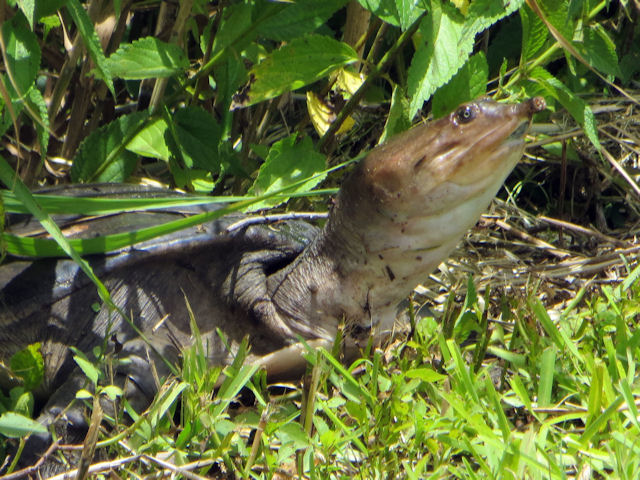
397 216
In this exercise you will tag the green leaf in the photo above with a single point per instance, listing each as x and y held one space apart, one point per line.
447 41
397 120
298 63
22 401
534 34
288 162
91 372
102 157
469 83
28 7
577 108
150 141
600 51
198 136
439 56
22 53
399 13
425 374
14 425
91 41
28 364
235 31
147 58
112 391
292 433
298 18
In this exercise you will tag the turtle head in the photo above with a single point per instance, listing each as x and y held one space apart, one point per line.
432 167
400 213
408 203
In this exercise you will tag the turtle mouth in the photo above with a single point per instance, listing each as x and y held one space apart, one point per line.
520 131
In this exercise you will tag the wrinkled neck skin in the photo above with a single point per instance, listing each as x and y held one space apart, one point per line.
397 216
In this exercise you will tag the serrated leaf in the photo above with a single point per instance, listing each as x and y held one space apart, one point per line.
408 12
442 52
600 51
397 120
288 162
296 64
577 108
235 29
150 141
484 13
557 13
470 82
28 7
447 41
399 13
28 364
22 53
198 136
297 18
91 41
534 33
102 157
14 425
147 58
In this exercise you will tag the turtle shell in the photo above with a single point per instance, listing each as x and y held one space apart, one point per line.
160 284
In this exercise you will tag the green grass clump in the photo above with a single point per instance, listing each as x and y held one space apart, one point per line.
550 398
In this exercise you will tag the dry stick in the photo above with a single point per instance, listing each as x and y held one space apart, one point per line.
580 229
29 471
621 170
530 238
359 94
99 467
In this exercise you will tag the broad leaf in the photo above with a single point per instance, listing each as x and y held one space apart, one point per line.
577 108
534 33
447 41
198 136
470 82
147 58
22 54
298 18
600 51
397 120
150 141
28 365
296 64
14 425
439 56
288 162
102 157
400 13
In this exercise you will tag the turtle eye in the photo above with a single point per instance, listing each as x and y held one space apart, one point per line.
465 114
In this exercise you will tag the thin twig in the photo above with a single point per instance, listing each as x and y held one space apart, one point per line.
584 230
263 219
